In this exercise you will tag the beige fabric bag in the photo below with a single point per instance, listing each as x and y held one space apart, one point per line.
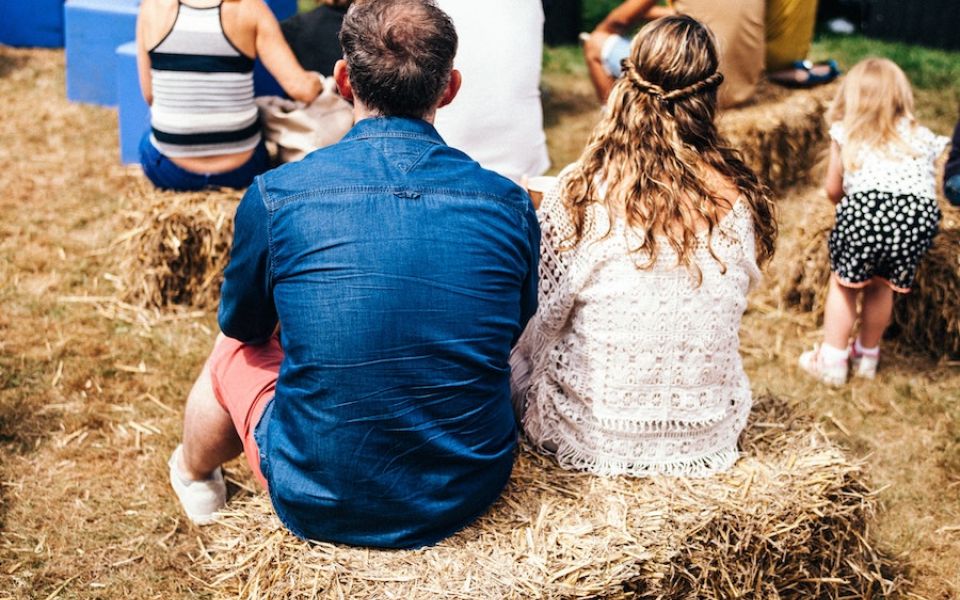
295 130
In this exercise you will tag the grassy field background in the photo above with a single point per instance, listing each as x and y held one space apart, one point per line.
91 393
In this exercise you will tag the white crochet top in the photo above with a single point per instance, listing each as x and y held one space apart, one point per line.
627 370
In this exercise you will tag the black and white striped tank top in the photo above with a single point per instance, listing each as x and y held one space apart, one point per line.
202 89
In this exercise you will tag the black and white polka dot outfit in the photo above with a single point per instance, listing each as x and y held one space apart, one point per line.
889 215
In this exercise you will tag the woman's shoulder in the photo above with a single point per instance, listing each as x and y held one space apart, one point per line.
155 17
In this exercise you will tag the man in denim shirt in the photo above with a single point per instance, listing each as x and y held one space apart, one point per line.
373 295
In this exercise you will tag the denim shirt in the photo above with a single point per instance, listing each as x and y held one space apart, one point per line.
401 273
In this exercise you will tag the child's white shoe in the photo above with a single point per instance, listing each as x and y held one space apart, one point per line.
200 499
864 363
832 371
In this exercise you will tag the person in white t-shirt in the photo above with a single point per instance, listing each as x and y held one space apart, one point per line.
497 118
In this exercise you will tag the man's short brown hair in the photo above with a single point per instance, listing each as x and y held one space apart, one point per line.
399 53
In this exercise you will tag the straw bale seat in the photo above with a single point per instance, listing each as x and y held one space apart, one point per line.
173 251
782 133
175 248
791 520
927 319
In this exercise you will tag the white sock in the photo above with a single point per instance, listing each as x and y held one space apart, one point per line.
871 352
833 355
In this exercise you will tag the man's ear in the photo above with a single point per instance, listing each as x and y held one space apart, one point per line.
341 74
456 80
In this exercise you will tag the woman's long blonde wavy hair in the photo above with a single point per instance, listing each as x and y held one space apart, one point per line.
651 154
873 98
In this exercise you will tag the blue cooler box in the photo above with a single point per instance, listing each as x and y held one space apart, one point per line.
94 30
37 23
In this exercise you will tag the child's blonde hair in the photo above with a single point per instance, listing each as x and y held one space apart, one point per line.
873 98
652 152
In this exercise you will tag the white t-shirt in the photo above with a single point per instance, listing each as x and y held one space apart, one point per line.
896 169
497 117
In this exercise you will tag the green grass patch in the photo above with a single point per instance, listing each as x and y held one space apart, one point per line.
928 68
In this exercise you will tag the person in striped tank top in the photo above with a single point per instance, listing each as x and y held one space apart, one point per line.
195 59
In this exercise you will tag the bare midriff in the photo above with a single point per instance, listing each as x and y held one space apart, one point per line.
211 165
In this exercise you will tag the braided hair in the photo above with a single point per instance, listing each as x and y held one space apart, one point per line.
655 155
633 75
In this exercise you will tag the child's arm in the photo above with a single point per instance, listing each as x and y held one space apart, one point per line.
278 58
834 183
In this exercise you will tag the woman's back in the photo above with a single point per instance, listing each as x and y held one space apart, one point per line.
195 60
203 98
638 370
649 245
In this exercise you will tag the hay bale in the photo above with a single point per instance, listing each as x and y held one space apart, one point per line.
782 134
791 520
810 270
927 319
174 250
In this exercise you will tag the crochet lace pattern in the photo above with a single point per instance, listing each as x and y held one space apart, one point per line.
633 371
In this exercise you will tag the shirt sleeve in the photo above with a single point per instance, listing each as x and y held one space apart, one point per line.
939 144
247 311
528 295
748 242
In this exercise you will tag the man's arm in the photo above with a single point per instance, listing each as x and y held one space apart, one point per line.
528 294
247 311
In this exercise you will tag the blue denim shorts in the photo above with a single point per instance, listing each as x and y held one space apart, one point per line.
615 49
167 175
951 188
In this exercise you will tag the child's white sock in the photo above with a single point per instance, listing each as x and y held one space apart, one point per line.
833 355
862 351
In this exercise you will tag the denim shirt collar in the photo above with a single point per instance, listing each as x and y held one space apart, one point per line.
394 127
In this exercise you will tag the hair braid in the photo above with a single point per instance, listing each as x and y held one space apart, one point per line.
710 82
633 75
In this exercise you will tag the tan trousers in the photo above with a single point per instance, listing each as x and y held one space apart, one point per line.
739 26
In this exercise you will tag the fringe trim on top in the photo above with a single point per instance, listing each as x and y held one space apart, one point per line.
570 457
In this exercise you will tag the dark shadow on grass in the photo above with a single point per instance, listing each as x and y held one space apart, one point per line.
21 423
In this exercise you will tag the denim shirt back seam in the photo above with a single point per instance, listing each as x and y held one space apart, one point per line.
268 206
409 135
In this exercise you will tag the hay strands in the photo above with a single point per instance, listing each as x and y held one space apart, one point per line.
790 520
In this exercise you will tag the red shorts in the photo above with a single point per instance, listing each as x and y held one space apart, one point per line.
244 381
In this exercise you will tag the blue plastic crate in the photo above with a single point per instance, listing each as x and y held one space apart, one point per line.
37 23
133 115
94 29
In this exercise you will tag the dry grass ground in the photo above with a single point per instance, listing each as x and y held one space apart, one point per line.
91 391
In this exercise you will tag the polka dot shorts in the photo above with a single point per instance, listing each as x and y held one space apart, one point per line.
879 234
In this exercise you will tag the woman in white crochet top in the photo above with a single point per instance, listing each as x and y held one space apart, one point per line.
651 242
